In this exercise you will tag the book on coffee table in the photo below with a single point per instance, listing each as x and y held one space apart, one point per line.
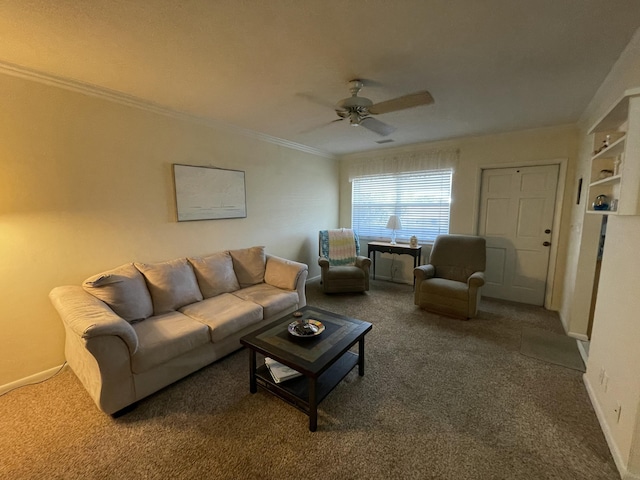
280 372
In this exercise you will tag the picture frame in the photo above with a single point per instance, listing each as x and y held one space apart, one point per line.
209 193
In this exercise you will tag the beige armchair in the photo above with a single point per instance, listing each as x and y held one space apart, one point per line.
343 269
450 284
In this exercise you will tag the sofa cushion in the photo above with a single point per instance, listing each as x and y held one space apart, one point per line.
215 274
272 299
163 337
172 284
249 265
124 290
225 314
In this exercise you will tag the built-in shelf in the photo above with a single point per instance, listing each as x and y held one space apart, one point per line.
616 115
605 181
613 150
619 161
601 212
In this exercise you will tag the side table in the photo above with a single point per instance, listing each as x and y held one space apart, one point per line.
398 248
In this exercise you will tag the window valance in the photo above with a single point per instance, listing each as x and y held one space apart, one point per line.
436 159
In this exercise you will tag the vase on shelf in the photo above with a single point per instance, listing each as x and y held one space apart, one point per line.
617 165
601 203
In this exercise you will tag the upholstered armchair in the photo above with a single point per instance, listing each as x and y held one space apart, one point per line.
450 283
343 269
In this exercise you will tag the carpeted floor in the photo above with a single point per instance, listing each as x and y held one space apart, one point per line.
551 347
441 399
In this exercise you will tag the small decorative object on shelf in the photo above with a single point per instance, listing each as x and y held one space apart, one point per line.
605 174
617 163
605 144
601 203
413 241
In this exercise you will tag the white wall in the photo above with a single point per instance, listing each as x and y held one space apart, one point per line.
520 148
615 337
86 185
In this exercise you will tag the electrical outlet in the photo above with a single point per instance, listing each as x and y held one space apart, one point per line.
617 411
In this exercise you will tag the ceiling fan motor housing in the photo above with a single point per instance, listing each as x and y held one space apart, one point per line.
354 103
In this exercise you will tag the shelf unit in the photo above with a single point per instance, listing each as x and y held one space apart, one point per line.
615 170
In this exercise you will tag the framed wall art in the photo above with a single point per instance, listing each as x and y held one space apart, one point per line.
208 193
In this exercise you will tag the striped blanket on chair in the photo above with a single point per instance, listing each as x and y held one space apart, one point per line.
342 247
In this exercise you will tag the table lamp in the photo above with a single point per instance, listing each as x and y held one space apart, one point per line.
394 224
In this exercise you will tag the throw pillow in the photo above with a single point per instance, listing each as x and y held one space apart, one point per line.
215 274
124 290
249 265
282 273
172 284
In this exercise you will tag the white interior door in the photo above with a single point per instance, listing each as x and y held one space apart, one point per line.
516 217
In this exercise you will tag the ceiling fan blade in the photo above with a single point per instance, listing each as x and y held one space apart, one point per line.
401 103
377 126
317 127
315 99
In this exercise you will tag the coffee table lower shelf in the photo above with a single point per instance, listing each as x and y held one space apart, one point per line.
296 390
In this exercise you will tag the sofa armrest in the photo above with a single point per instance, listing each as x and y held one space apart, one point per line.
288 275
89 317
476 280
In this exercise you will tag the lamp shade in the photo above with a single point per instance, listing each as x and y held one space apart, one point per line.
394 223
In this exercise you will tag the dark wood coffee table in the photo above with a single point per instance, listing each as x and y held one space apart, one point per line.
323 360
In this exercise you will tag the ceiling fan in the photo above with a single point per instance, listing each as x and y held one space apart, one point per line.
358 110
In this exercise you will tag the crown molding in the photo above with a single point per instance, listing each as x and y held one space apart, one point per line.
135 102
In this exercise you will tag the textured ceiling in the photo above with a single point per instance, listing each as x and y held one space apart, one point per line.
277 67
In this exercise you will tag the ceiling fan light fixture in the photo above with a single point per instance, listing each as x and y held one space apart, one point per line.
354 119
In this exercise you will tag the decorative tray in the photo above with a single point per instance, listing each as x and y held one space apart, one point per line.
305 328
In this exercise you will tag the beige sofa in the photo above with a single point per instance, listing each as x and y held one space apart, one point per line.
137 328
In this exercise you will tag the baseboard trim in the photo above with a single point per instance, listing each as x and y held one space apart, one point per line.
615 453
584 351
578 336
32 379
394 279
312 279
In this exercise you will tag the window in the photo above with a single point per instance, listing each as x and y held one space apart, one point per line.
421 199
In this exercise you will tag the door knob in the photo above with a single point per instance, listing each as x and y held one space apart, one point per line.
546 244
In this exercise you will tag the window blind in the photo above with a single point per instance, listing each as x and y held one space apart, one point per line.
421 199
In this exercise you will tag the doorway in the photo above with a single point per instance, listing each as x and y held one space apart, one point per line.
517 207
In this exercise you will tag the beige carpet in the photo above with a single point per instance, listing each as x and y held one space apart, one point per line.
441 399
551 347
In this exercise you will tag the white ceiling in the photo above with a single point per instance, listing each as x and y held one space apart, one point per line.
277 66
